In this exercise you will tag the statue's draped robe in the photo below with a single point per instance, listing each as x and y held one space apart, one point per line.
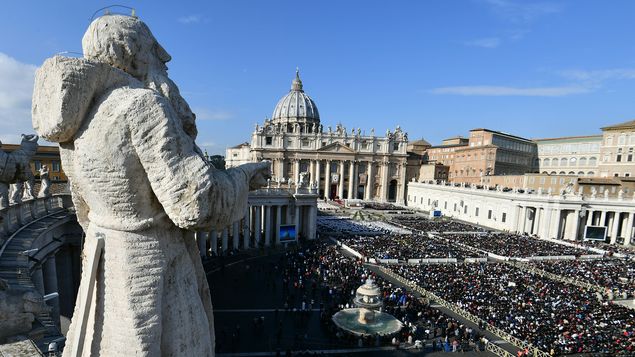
138 179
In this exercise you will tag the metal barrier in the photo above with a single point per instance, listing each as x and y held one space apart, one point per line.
497 350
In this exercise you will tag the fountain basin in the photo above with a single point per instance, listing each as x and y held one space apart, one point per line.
382 324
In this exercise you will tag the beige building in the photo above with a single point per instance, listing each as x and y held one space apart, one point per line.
616 151
573 155
339 163
486 152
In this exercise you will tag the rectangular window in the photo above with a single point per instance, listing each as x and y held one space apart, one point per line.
268 140
38 165
504 217
476 212
445 206
395 146
465 210
489 214
629 158
619 158
455 207
305 143
55 166
56 178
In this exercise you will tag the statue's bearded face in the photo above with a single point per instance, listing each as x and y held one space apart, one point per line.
126 43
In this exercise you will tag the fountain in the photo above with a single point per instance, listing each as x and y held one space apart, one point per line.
366 319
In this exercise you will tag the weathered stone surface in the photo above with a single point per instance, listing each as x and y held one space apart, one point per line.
15 170
17 310
138 179
45 182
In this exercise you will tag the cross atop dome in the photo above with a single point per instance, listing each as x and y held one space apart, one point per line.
297 82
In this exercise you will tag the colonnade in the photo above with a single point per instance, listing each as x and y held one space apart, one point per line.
261 225
347 181
547 216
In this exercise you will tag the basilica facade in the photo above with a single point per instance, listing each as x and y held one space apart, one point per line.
340 163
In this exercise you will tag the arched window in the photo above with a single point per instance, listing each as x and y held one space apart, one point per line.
621 140
580 173
545 172
546 162
609 140
593 161
573 161
590 173
571 173
562 173
563 161
553 173
582 161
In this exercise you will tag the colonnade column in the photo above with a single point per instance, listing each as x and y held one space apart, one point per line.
267 226
523 217
616 227
589 217
546 222
280 168
555 228
317 176
629 229
368 192
236 234
537 218
213 241
351 181
402 184
340 191
38 279
246 230
225 240
603 219
327 180
297 222
50 284
312 221
278 223
201 239
576 225
296 171
257 225
311 170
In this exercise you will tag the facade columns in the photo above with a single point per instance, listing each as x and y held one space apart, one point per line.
576 225
38 279
280 169
267 226
312 221
546 223
384 182
537 218
340 191
603 219
257 225
351 180
327 181
368 192
246 230
311 171
278 223
401 193
523 215
589 218
317 176
555 226
296 171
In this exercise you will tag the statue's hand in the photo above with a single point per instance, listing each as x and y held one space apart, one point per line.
259 173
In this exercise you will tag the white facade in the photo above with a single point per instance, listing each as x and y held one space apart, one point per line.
618 143
557 217
569 155
340 163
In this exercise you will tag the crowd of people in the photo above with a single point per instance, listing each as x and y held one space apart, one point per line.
407 246
435 225
616 275
514 245
553 316
320 272
346 226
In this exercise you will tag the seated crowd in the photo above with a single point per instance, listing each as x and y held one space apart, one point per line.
555 317
334 279
616 275
407 246
514 245
345 225
437 225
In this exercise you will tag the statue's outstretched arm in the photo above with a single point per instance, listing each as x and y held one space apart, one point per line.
192 193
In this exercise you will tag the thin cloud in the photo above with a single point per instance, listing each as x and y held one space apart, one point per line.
511 91
189 19
487 42
16 90
522 11
599 76
212 115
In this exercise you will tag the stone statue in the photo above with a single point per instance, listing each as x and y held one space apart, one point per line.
138 180
15 169
620 194
18 308
45 182
372 131
594 191
303 180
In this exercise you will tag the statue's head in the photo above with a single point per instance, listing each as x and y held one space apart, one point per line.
29 143
124 42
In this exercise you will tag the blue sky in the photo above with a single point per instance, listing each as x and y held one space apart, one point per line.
436 68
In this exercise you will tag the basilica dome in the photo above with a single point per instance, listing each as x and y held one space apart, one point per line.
296 106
